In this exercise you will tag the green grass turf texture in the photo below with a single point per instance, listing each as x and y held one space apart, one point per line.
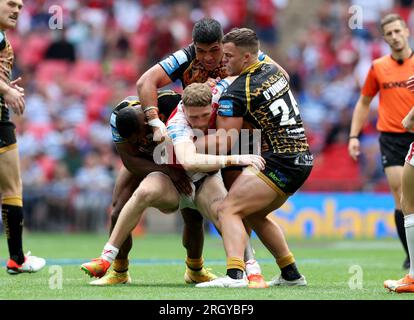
157 271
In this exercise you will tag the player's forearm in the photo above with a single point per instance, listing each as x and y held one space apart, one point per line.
198 162
147 93
4 87
408 121
359 117
147 87
410 115
219 143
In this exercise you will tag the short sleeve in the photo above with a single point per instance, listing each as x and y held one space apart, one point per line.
175 64
371 85
178 128
230 107
2 40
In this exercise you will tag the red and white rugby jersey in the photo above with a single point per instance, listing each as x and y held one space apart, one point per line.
179 129
410 155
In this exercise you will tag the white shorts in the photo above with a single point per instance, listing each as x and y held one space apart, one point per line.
410 155
187 201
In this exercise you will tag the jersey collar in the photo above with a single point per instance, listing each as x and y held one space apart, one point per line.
252 67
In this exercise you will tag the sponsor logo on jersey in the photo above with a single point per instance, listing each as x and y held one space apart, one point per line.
180 56
170 64
394 84
173 62
225 108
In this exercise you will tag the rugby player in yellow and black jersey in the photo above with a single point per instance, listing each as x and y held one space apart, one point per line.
11 189
261 96
135 146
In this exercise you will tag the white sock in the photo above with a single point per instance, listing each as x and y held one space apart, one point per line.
409 232
109 252
252 267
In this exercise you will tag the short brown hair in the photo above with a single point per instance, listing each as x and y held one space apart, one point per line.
243 37
197 95
391 17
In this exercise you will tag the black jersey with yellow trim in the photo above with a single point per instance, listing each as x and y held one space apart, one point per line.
183 65
262 96
167 102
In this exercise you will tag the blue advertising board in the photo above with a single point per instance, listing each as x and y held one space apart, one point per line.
337 215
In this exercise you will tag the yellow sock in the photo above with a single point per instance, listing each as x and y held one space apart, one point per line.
121 265
235 263
194 264
285 261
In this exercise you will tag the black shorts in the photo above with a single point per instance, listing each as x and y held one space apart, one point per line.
286 172
394 147
7 135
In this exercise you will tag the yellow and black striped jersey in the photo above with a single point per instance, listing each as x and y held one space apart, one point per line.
262 96
6 66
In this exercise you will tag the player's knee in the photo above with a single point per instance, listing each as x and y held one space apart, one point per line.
407 205
229 207
224 210
147 195
395 189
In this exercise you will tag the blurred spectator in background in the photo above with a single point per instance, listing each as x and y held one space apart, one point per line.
60 48
93 184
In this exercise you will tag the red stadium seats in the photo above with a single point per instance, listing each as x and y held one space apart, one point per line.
97 101
33 49
334 170
39 130
50 70
139 44
86 71
124 69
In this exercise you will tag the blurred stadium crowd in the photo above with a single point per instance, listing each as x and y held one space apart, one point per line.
75 75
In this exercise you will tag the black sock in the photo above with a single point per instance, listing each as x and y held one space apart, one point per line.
290 272
399 223
235 273
13 226
198 269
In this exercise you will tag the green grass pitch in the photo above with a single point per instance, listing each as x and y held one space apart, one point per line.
330 266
